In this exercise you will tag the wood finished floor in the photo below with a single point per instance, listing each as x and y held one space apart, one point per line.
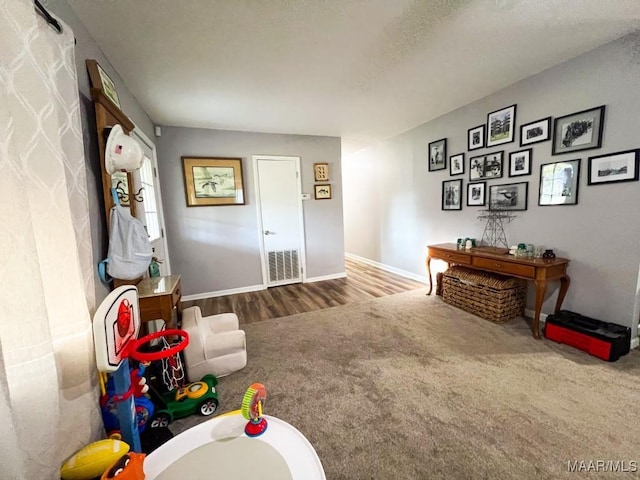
363 282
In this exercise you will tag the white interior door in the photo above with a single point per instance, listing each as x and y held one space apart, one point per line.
149 208
280 218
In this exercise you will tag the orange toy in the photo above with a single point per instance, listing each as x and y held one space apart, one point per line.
129 467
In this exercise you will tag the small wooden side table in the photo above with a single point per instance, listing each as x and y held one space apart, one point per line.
158 296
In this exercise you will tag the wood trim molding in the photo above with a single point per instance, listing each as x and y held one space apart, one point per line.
99 97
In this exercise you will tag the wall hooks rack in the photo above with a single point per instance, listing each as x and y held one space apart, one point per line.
123 195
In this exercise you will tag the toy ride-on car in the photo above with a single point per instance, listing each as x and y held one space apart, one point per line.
195 397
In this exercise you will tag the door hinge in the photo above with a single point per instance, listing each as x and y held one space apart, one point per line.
297 174
155 172
162 232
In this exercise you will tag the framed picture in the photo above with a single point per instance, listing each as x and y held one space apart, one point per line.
476 194
486 166
535 132
500 126
559 183
511 196
614 167
456 164
438 155
520 163
102 81
475 138
322 192
578 131
452 195
213 181
321 172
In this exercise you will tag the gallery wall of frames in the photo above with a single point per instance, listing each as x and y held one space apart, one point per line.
490 160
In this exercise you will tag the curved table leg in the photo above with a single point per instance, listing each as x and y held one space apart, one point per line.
541 290
428 262
564 287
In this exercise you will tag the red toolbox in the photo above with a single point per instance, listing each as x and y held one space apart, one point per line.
607 341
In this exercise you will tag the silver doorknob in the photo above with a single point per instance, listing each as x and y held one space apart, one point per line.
267 232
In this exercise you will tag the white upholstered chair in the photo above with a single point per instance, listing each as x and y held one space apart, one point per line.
216 345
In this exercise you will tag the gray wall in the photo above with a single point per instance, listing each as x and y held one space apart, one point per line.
217 248
86 48
402 212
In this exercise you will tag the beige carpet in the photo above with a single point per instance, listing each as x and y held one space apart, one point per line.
407 387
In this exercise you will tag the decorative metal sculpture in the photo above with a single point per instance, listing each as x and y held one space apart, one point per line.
493 234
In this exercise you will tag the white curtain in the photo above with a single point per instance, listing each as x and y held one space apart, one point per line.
48 380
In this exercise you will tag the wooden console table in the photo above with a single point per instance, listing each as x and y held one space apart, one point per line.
498 260
157 297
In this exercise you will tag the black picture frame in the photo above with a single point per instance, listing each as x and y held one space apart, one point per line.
438 155
614 167
487 166
520 162
535 132
509 196
475 137
476 194
501 126
578 131
452 194
456 164
559 183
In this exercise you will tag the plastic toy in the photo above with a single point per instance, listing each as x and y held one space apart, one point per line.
116 324
128 467
252 405
92 460
195 397
222 447
143 405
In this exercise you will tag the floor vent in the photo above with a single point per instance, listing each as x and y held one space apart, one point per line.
283 265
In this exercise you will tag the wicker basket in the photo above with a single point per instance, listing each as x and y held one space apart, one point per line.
488 295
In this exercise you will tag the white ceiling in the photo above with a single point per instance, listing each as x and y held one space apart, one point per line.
364 70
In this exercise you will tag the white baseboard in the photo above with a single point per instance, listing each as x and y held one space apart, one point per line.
326 277
403 273
532 313
635 341
222 293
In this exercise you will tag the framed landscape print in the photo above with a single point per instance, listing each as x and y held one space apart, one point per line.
452 195
500 126
213 181
476 194
559 183
520 163
475 137
511 196
614 167
438 155
578 131
535 132
456 164
486 166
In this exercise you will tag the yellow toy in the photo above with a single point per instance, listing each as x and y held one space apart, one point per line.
91 461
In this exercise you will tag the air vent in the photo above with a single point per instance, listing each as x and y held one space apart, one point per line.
283 266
